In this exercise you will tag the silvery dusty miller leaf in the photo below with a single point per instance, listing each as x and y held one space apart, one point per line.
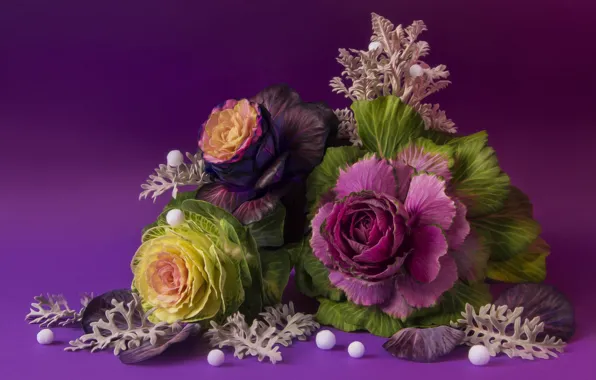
424 345
544 301
96 309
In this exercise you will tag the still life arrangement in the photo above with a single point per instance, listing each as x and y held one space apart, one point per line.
395 224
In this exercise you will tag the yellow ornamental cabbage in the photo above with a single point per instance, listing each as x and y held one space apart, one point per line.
206 268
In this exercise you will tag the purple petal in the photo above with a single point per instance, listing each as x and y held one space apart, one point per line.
471 258
277 98
428 246
387 271
460 228
303 131
424 345
403 174
546 302
362 292
317 242
356 247
382 251
423 161
223 196
397 306
427 202
273 174
369 174
419 294
256 209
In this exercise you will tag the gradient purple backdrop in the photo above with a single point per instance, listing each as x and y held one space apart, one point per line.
94 94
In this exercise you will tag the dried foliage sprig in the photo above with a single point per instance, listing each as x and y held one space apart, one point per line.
500 329
279 326
384 70
347 129
290 325
122 329
168 177
254 340
53 309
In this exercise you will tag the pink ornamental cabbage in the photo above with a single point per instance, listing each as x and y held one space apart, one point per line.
392 235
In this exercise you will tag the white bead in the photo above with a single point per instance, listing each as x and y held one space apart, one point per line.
45 336
175 217
416 70
175 158
374 45
356 349
216 358
479 355
325 340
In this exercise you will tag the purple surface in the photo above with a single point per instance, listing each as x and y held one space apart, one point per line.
93 96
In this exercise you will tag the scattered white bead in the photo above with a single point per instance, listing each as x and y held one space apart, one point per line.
479 355
45 336
175 158
325 340
175 217
356 349
216 358
374 45
416 70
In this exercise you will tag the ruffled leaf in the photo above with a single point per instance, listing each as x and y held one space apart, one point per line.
425 156
249 261
471 258
324 177
368 174
451 305
424 345
477 178
347 316
223 196
386 125
277 98
526 266
172 204
276 274
269 231
510 231
544 301
312 277
303 132
256 209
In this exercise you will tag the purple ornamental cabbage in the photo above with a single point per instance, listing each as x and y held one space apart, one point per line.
256 149
390 233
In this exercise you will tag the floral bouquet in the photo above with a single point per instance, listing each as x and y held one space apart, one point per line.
388 217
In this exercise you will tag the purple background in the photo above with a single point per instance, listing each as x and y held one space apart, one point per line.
92 97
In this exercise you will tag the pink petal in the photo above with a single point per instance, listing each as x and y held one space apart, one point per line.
369 174
419 294
362 292
460 228
403 173
428 246
427 202
317 241
397 306
423 161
